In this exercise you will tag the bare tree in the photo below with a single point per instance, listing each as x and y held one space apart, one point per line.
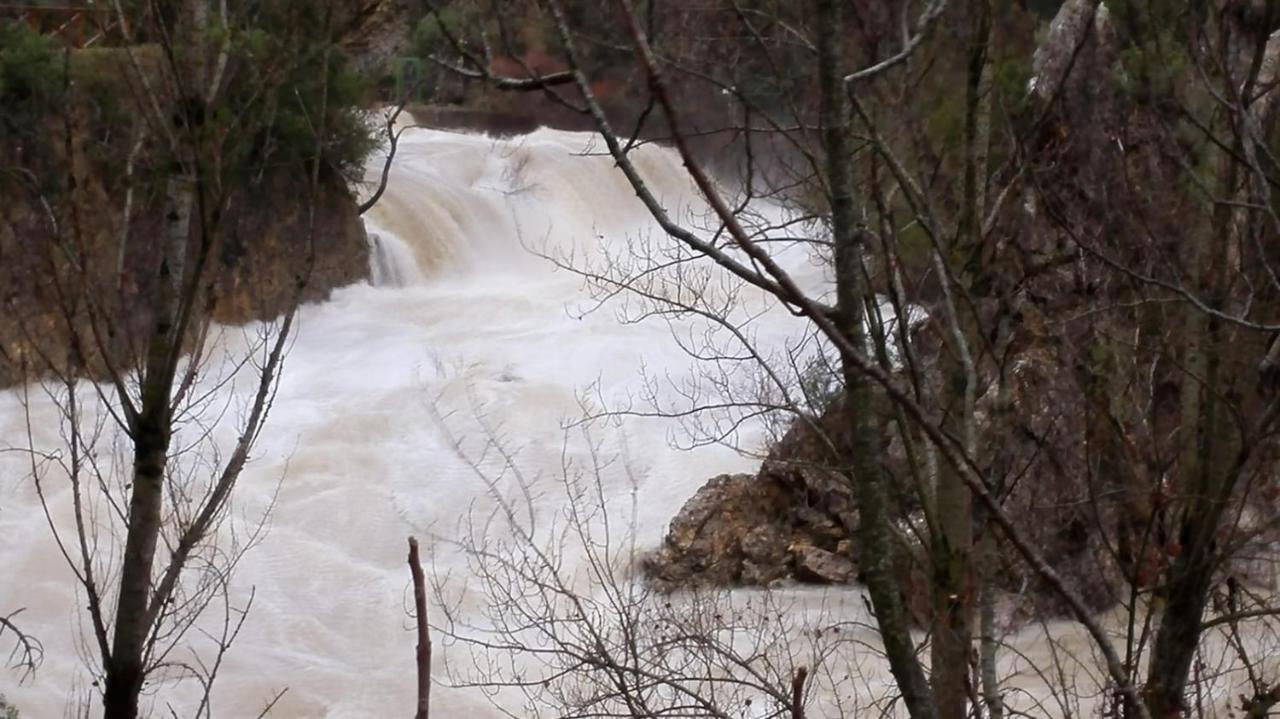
424 632
217 102
560 593
1094 263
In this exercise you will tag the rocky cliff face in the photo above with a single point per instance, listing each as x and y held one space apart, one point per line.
376 31
79 247
796 518
1087 427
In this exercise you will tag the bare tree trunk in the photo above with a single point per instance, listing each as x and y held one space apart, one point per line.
988 645
953 596
1207 483
424 633
125 669
1179 634
151 430
875 542
954 591
797 693
139 136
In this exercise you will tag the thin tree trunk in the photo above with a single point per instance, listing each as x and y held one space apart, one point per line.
1207 484
797 693
868 481
424 633
953 596
138 137
987 648
125 670
954 592
150 431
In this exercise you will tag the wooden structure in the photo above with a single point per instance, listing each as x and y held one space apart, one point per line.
77 23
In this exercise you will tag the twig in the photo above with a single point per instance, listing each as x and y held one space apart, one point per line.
27 652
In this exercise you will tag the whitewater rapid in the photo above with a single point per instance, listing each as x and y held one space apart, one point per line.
464 320
468 329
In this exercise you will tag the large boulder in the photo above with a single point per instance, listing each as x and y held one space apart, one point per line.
796 519
792 519
730 532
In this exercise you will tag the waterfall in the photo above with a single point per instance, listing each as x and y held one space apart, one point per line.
391 260
471 327
467 325
466 203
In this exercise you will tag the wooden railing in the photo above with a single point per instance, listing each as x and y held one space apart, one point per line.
78 24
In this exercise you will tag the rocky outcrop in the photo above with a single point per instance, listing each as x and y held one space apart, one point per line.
1080 159
258 262
732 531
268 239
814 564
79 238
373 32
1081 34
745 529
793 519
796 519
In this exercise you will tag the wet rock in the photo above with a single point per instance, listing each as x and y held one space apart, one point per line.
742 529
814 564
765 545
374 33
731 521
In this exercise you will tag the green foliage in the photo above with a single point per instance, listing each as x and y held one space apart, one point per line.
290 94
466 22
945 113
315 111
32 87
1010 78
101 81
7 710
1151 68
1154 56
428 36
1157 71
31 75
29 67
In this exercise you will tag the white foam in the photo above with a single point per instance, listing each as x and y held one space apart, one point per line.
460 320
460 316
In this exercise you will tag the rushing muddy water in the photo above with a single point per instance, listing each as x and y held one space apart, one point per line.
467 331
463 320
